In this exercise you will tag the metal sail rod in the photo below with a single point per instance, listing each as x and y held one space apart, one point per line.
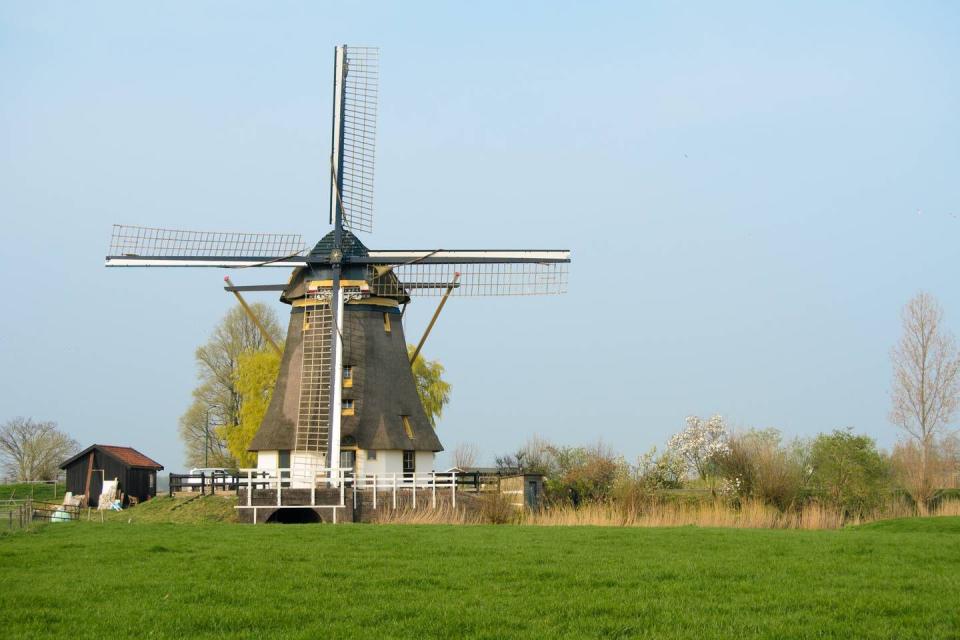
433 320
336 255
252 316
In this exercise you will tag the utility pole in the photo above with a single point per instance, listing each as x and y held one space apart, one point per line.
206 439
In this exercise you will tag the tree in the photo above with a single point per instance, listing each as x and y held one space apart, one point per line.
926 382
701 443
254 380
434 391
465 455
847 471
31 450
215 409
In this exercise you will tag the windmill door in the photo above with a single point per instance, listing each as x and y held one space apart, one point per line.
348 460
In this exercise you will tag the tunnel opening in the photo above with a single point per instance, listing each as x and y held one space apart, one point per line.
294 516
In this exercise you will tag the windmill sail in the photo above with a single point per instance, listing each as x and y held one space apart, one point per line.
313 420
481 273
356 79
133 246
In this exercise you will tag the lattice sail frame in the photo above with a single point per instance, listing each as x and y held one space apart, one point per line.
358 143
313 417
476 279
128 240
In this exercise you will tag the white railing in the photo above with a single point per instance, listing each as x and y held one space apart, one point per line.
275 479
411 482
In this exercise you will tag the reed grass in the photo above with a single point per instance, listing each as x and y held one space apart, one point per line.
752 514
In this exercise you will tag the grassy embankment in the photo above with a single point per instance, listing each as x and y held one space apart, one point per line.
38 491
890 579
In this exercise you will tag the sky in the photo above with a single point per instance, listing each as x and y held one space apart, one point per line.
751 192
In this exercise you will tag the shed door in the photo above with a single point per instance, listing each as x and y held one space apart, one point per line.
532 494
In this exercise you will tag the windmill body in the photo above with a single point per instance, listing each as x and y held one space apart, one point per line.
345 396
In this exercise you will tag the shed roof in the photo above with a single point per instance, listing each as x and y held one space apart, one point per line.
127 455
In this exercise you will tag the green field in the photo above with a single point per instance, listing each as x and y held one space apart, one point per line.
89 580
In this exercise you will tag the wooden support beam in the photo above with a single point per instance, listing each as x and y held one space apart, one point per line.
433 320
253 317
86 486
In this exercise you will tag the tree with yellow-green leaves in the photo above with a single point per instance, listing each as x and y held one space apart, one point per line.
434 391
217 402
254 379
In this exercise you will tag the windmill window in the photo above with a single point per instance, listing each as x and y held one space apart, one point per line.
346 407
347 377
371 454
409 461
386 322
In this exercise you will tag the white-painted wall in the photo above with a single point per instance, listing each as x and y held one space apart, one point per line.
267 460
424 461
391 461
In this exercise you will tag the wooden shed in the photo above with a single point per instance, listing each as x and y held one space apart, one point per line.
524 490
135 472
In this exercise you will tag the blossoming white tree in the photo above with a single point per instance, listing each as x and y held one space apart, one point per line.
701 443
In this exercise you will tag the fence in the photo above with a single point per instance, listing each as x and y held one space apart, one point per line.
19 514
410 482
324 478
203 482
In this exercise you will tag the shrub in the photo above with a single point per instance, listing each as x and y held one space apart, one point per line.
495 508
847 472
758 465
582 474
922 475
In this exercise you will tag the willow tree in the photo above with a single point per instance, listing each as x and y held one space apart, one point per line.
254 380
216 405
434 391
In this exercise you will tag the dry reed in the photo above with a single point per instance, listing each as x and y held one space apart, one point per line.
750 515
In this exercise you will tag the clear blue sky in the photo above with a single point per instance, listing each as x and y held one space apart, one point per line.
751 193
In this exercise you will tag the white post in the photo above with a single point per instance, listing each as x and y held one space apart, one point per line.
279 482
313 491
433 490
374 492
342 483
337 395
250 493
414 491
453 487
394 490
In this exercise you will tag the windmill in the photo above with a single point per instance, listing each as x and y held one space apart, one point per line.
345 385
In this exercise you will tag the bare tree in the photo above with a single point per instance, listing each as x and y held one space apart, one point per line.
465 455
926 381
31 450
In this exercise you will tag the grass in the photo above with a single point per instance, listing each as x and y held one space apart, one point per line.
38 491
893 579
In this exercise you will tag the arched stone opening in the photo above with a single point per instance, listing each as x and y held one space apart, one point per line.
294 516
